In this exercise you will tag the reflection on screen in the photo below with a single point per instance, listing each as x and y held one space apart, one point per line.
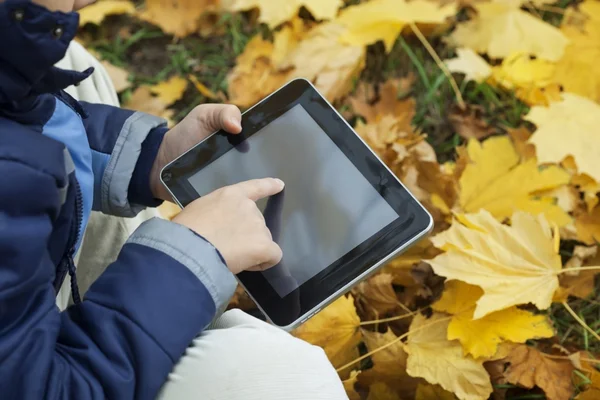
327 207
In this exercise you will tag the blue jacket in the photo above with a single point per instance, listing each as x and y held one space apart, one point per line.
59 159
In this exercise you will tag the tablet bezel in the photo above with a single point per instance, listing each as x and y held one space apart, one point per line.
414 221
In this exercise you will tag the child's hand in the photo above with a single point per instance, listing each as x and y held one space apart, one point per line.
197 125
230 220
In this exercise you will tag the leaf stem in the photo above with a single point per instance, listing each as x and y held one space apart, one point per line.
593 268
385 346
580 321
396 318
440 64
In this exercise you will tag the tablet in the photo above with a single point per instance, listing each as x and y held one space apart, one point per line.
341 216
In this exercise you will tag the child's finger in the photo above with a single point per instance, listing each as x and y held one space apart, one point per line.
231 119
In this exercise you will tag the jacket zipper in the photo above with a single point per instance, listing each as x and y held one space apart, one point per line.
72 246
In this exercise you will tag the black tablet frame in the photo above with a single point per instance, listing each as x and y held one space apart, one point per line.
413 223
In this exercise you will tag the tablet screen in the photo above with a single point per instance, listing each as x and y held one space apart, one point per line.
327 207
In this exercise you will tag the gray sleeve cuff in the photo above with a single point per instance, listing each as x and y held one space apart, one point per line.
198 255
122 162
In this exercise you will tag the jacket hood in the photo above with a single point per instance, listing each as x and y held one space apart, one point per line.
32 40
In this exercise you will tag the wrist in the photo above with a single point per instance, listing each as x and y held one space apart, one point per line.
144 188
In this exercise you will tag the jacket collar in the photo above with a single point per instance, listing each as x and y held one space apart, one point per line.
33 40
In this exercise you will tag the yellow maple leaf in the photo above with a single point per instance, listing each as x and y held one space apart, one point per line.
469 63
480 338
436 359
531 79
501 28
517 264
177 17
142 100
495 180
335 329
384 19
118 76
274 13
568 127
171 90
95 13
577 71
349 386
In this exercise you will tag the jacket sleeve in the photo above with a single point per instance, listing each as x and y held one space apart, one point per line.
136 319
124 145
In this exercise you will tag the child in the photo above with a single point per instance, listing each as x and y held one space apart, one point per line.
59 159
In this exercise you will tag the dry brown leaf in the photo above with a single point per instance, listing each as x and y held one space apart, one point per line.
469 123
592 391
401 267
529 368
350 386
579 284
388 102
381 391
389 365
496 371
377 293
588 226
335 329
433 392
520 137
177 17
241 300
118 76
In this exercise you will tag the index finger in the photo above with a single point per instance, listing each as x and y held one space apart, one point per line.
257 189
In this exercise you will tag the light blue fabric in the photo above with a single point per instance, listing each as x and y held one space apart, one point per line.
99 163
66 126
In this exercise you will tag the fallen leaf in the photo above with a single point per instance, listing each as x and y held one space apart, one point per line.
316 56
241 300
350 386
389 364
530 78
497 181
520 137
588 226
118 76
480 338
142 100
501 28
177 17
378 293
254 76
433 357
335 329
274 13
589 188
401 267
592 392
469 124
469 63
95 13
388 103
381 391
577 71
332 66
496 370
529 368
514 265
383 20
202 89
433 392
171 90
568 127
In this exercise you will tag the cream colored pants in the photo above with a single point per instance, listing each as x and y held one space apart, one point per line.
239 357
